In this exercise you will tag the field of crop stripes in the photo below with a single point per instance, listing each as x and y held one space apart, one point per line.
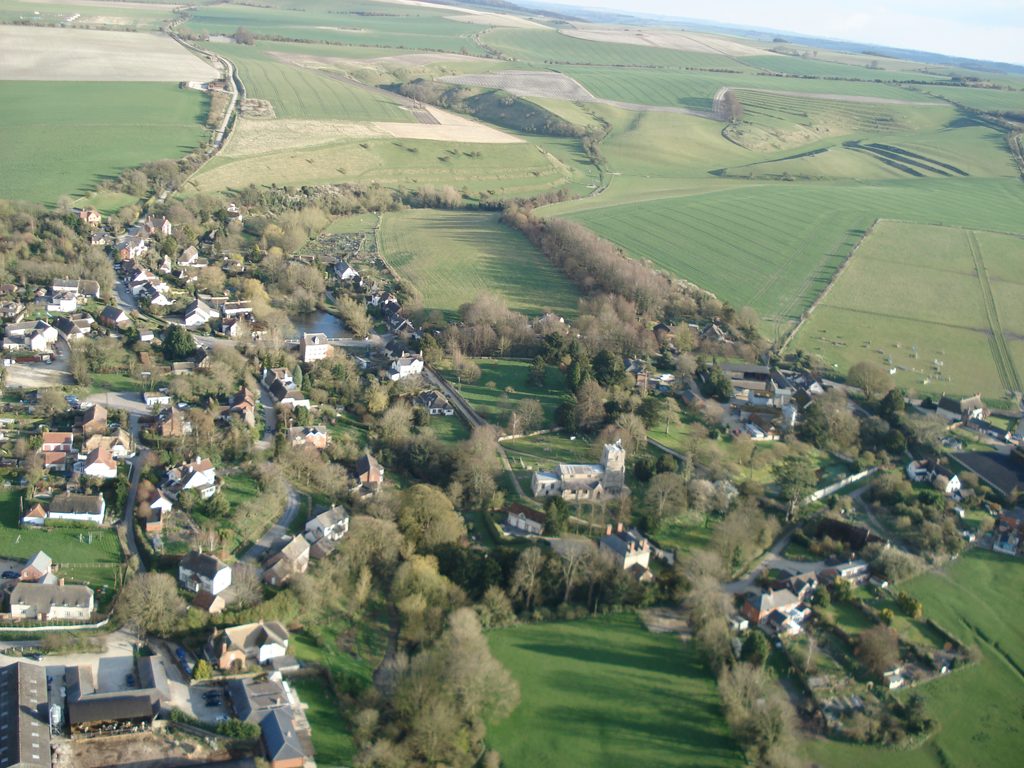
759 250
300 93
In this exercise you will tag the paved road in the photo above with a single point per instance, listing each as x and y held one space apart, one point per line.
137 463
772 559
277 530
125 301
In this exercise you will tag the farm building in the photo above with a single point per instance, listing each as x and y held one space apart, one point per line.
24 716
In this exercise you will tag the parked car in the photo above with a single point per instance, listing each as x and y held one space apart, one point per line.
11 574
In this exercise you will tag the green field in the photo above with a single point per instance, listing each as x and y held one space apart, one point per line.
978 709
116 15
453 257
346 22
775 247
296 92
952 332
62 138
606 693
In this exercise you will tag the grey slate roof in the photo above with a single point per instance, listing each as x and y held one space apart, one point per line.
24 717
280 738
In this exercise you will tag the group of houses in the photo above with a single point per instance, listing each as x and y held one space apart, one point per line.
40 594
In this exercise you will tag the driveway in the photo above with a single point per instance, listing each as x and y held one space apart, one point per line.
131 402
772 560
110 669
186 697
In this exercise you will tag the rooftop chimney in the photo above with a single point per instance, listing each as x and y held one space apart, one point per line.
608 530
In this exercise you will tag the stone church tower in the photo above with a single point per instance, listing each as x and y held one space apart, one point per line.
614 461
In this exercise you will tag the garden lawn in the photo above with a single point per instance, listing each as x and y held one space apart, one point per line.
489 398
88 555
332 742
453 257
605 693
978 600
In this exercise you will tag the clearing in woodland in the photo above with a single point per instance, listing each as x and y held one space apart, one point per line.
453 257
606 693
938 306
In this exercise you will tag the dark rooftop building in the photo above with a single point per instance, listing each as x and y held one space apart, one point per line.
24 717
281 741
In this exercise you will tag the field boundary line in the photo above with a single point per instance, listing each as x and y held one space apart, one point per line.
828 288
1001 355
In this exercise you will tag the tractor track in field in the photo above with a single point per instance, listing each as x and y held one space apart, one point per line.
1001 354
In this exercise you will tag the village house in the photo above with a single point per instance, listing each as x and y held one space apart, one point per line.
757 607
236 308
119 445
12 311
282 387
63 442
288 562
37 568
99 463
856 572
157 225
345 271
940 477
172 422
52 602
90 216
369 473
405 366
315 436
523 519
234 648
114 317
629 547
281 742
132 247
78 507
963 409
188 257
585 482
199 476
331 525
93 420
435 403
313 347
199 313
36 336
75 327
243 404
199 572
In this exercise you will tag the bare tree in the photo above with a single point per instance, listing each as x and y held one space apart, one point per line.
526 578
150 603
573 553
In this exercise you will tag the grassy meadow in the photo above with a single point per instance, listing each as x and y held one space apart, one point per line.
606 693
503 383
872 314
977 708
62 138
453 257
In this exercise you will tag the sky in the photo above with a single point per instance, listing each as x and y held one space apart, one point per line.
991 30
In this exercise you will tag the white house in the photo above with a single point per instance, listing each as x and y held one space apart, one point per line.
331 525
313 347
235 647
99 463
344 271
199 476
79 507
435 403
52 602
198 572
525 519
199 313
628 547
407 365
